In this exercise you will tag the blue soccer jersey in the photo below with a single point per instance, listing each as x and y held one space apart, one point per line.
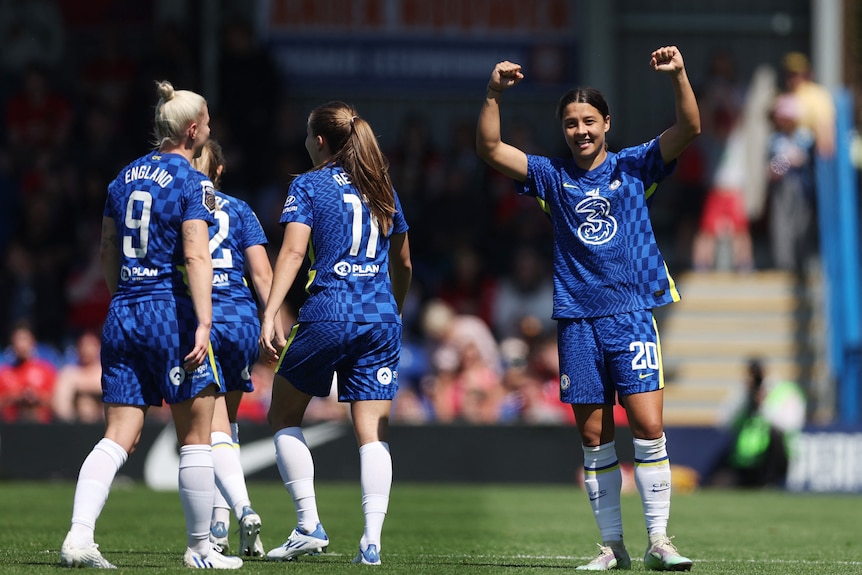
148 201
606 260
237 228
236 325
349 274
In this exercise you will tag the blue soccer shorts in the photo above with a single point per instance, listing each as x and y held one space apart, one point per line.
605 356
236 348
143 349
365 357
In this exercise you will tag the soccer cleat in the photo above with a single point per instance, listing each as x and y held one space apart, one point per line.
368 557
249 534
299 543
215 560
611 556
89 556
661 555
218 536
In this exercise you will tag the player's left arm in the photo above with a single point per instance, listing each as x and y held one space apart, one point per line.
400 267
109 254
675 139
199 267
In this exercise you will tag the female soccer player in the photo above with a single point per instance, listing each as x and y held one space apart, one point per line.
156 339
348 215
608 275
237 239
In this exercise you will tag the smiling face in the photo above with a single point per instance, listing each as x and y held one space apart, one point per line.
584 129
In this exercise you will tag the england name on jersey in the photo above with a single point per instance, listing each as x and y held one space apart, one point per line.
349 273
149 201
606 260
236 229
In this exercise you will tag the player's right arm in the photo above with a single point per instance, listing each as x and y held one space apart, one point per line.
260 270
287 265
109 253
503 157
199 268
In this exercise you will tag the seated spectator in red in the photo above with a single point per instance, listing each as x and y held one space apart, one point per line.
37 116
27 384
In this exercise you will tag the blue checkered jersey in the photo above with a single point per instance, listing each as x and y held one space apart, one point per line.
149 201
349 274
237 228
606 260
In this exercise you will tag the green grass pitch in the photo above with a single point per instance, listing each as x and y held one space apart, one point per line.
457 529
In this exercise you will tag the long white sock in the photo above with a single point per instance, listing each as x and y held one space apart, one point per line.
229 477
197 487
296 467
91 493
375 463
603 481
652 476
221 508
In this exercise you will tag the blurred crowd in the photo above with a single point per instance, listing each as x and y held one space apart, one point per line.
479 342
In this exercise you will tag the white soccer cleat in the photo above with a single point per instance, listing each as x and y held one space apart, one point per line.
662 555
88 556
368 557
215 560
300 543
249 534
611 556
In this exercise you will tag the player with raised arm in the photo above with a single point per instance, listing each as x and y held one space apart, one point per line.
156 338
608 276
346 214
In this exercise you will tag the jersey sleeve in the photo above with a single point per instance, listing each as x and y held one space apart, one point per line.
252 230
399 222
200 200
298 204
538 179
650 164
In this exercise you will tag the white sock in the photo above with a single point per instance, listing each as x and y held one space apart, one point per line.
197 486
296 467
652 476
229 477
375 463
603 481
91 493
221 510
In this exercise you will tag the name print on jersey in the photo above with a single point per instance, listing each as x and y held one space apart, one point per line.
147 172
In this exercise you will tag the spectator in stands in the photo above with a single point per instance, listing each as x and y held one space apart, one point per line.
78 392
817 108
524 297
468 288
27 383
763 424
31 33
38 117
791 185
